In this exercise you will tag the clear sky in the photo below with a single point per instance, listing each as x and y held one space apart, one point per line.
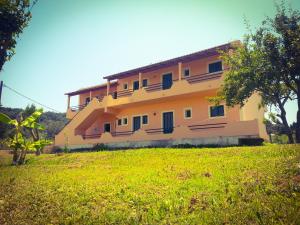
71 44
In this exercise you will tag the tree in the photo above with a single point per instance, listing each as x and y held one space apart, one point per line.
286 27
14 17
19 143
251 71
261 65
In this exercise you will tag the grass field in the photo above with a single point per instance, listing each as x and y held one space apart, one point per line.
237 185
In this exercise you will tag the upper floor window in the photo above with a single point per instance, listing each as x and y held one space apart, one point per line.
216 111
186 72
145 82
215 67
188 113
145 119
136 85
125 86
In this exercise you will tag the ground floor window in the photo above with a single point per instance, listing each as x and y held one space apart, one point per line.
119 122
145 119
216 111
125 121
187 113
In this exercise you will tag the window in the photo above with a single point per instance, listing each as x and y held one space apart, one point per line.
125 86
119 122
145 119
136 85
216 111
125 121
186 72
188 113
215 67
145 82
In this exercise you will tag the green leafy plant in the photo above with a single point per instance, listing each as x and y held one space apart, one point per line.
19 143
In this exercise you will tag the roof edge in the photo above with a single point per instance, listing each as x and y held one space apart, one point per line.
170 62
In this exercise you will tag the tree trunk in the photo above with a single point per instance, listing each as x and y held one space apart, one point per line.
15 157
22 157
285 124
298 114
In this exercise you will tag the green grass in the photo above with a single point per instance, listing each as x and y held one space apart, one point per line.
237 185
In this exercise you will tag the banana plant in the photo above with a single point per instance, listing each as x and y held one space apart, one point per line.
19 143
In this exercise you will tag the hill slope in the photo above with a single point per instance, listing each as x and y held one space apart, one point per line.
53 122
239 185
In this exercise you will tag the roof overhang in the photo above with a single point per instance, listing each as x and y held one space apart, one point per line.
92 88
171 62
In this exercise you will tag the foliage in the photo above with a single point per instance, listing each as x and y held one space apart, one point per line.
14 17
263 63
53 122
237 185
19 143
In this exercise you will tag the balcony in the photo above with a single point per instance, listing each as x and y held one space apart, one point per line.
155 92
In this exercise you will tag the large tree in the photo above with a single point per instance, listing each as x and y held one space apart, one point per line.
14 17
264 63
285 26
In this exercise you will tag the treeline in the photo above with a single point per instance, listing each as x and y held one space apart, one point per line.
52 121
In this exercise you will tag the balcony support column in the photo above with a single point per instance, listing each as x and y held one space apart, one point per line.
90 95
69 101
140 81
107 88
179 71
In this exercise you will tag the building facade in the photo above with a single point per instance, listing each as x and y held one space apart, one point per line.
162 104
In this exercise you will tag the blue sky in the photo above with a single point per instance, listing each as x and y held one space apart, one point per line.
70 44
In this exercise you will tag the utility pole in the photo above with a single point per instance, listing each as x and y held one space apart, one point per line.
1 86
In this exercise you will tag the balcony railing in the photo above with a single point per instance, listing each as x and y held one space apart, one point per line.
91 136
122 133
81 107
203 77
77 108
124 93
206 126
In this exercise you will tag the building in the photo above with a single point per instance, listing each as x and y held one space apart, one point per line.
161 104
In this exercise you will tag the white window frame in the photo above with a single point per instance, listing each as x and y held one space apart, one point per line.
126 83
215 61
123 124
186 68
145 124
184 113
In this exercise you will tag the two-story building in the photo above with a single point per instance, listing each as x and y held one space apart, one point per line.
162 104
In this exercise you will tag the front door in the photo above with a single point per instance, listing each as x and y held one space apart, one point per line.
107 127
136 123
136 85
168 122
167 81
